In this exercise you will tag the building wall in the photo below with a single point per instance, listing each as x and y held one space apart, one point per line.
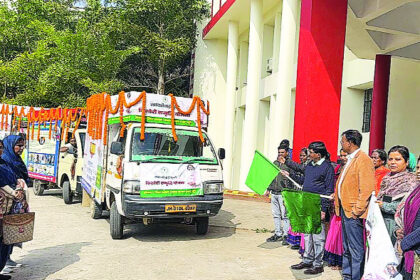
210 83
403 119
357 77
358 74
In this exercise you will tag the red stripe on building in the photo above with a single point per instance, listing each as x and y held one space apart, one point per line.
222 10
319 74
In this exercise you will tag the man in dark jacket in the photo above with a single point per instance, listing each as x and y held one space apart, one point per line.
319 179
281 222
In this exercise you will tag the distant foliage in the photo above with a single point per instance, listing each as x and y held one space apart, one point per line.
53 53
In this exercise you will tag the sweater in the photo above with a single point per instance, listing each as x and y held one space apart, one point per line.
318 179
298 171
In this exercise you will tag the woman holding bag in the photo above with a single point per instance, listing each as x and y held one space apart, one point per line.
11 200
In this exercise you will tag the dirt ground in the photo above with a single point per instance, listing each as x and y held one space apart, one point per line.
68 244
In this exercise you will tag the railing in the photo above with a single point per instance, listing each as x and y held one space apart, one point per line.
216 5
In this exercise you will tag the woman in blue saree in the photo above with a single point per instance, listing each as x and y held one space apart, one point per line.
12 197
13 148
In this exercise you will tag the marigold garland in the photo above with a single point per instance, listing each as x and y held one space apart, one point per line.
98 108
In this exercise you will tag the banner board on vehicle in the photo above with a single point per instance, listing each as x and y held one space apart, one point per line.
163 180
93 166
43 154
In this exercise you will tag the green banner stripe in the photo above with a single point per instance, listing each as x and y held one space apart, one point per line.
159 120
169 193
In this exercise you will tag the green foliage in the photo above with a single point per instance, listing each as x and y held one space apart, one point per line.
53 53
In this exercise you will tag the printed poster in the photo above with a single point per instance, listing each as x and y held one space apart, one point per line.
93 160
163 180
381 261
42 155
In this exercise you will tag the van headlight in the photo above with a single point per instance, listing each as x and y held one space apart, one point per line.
213 187
131 187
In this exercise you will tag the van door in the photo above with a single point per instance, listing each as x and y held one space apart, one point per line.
80 139
66 164
115 164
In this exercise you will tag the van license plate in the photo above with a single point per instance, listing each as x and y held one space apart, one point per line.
180 208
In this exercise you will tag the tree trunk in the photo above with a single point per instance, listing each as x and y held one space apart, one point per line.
161 78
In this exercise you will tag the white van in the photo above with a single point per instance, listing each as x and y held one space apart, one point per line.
156 179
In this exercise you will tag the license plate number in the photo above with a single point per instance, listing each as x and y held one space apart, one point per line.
180 208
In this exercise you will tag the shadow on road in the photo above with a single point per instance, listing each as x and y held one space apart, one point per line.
57 193
221 226
270 245
40 263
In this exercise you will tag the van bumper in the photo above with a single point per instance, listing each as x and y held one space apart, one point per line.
136 207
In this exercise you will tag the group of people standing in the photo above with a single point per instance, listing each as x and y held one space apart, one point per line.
14 182
394 177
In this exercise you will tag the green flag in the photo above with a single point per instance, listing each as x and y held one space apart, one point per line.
261 173
303 211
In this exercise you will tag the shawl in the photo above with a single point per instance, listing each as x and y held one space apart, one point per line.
380 173
412 206
7 177
14 161
396 184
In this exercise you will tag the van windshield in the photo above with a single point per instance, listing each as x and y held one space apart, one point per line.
159 146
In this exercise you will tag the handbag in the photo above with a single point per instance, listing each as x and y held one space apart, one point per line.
18 228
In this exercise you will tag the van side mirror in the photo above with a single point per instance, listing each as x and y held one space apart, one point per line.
221 153
117 148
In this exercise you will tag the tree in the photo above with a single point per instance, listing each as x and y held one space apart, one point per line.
53 53
62 60
167 30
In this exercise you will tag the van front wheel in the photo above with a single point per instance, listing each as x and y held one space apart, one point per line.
202 225
95 209
116 222
38 187
67 194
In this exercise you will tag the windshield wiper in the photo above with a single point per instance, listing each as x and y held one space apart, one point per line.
198 159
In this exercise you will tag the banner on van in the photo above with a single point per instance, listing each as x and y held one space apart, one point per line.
93 162
163 180
42 155
158 110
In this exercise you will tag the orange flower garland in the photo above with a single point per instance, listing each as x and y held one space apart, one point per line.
96 106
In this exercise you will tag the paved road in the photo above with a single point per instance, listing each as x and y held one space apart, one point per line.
68 244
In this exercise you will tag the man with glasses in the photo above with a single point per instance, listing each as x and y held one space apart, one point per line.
352 194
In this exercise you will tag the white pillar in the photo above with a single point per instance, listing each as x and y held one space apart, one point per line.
232 65
243 63
280 122
249 140
276 41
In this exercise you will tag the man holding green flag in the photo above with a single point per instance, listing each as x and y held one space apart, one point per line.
281 222
318 180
